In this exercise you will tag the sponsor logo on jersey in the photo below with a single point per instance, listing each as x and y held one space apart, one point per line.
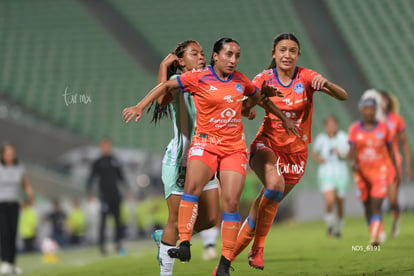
299 88
287 101
212 88
228 99
228 112
239 87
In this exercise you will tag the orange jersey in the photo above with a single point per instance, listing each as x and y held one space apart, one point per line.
296 103
396 125
371 148
218 104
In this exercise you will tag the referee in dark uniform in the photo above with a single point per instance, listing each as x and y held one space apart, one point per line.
107 170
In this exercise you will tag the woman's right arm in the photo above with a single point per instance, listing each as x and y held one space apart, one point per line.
129 113
162 77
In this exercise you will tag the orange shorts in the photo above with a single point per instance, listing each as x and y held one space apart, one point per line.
219 159
391 173
377 186
290 165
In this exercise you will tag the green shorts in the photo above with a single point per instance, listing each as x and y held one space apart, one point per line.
173 178
337 182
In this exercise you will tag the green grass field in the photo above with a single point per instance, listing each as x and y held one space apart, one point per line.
291 249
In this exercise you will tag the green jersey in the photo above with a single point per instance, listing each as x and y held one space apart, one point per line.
183 114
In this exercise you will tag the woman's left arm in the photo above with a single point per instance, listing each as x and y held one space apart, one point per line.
28 189
319 83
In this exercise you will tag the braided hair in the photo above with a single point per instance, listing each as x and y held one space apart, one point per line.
162 111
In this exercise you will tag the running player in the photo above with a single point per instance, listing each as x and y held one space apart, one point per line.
396 126
370 152
330 151
218 144
279 160
187 56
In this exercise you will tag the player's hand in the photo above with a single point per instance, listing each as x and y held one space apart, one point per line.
269 91
290 126
318 82
408 173
250 114
397 179
170 59
130 113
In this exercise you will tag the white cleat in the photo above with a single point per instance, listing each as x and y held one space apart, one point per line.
209 253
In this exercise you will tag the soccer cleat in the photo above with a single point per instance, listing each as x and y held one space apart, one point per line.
6 268
209 253
255 258
223 269
337 235
181 252
156 236
330 232
395 228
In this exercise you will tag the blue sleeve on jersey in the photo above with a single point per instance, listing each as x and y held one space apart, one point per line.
180 84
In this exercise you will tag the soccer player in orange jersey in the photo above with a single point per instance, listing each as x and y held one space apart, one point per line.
218 144
279 159
370 152
396 126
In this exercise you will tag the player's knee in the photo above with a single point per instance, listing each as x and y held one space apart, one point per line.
232 206
278 184
193 188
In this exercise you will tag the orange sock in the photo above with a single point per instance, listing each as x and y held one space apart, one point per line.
187 215
229 229
375 227
267 212
245 236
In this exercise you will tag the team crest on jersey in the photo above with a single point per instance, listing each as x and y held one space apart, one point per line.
299 88
390 125
239 87
379 135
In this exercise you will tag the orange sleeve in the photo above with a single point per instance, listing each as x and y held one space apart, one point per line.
401 124
258 80
188 81
250 89
352 134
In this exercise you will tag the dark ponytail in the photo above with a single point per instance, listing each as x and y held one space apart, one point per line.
162 111
218 45
276 40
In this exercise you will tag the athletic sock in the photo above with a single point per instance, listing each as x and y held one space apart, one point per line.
187 216
245 236
339 225
266 214
329 219
374 227
209 236
166 262
229 229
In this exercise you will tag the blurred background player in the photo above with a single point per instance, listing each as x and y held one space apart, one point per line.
370 151
188 55
277 157
57 219
108 171
76 223
330 150
12 179
28 223
396 126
